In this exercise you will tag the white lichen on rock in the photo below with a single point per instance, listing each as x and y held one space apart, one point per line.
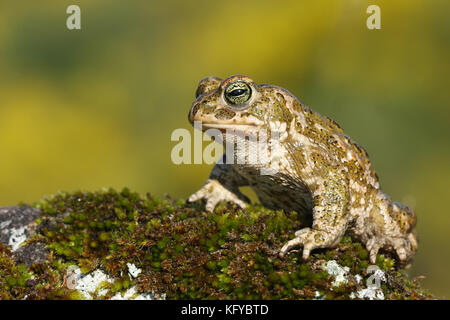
318 296
373 290
370 293
17 237
133 270
93 284
4 224
88 284
339 273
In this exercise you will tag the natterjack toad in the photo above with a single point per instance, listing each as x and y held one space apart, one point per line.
319 169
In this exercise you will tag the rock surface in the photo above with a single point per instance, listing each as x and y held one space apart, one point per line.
118 245
17 224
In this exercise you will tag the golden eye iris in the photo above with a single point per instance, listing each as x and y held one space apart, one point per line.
238 93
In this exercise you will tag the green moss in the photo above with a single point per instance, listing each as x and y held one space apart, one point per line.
184 252
17 281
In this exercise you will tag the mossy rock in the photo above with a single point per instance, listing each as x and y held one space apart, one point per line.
182 252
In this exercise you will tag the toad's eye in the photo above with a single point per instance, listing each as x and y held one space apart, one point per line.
238 93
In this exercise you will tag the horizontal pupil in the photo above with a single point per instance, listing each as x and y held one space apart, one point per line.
237 92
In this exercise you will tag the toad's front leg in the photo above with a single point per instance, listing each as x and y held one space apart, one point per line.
330 214
222 185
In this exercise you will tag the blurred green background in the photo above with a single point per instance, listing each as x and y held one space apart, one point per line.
96 107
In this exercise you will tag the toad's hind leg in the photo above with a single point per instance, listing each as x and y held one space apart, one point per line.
330 217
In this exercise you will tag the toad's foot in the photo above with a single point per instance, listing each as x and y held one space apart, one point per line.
404 247
214 192
309 239
373 245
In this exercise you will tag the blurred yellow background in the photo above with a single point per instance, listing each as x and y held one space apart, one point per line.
96 107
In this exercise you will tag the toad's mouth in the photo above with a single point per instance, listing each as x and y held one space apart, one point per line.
231 129
223 127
